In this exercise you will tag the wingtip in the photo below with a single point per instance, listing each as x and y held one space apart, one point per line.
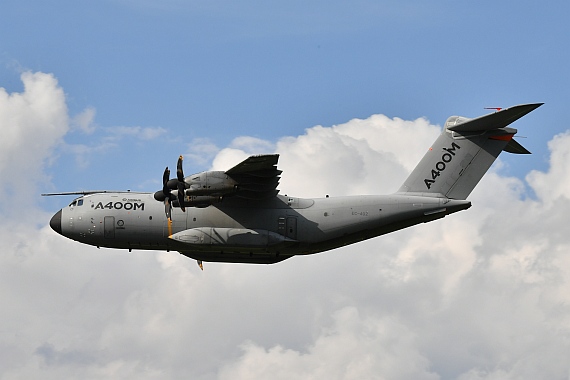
524 109
532 106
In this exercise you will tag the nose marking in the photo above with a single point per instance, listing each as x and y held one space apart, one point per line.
55 222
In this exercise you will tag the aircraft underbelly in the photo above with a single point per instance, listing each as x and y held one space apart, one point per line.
237 257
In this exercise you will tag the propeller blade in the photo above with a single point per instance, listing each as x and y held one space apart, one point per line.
166 192
168 208
165 178
181 195
179 172
181 184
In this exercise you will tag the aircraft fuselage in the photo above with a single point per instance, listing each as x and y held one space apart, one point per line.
238 230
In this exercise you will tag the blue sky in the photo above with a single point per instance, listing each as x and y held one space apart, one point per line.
268 70
104 95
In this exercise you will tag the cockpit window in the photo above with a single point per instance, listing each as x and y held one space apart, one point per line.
76 202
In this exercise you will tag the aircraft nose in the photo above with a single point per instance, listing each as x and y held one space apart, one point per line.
55 222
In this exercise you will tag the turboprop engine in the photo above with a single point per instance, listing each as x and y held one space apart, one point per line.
200 190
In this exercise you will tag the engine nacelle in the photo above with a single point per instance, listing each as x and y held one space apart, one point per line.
199 201
210 182
202 189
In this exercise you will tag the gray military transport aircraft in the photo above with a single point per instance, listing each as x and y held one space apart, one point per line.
238 216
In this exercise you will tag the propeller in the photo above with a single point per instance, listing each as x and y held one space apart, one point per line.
166 192
181 184
165 195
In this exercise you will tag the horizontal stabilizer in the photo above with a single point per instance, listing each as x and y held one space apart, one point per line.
516 148
495 120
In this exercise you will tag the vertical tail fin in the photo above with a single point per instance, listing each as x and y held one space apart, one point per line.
464 151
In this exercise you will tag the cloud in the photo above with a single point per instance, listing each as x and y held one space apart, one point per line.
370 156
84 121
104 142
482 294
201 151
352 348
110 138
558 174
362 156
83 153
239 149
140 133
33 123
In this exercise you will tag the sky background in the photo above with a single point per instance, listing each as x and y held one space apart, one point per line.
104 95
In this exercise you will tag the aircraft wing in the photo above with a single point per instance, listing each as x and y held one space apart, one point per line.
257 177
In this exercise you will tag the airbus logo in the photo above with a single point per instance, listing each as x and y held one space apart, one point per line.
440 166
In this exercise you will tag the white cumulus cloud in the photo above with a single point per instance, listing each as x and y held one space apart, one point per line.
482 294
352 348
33 123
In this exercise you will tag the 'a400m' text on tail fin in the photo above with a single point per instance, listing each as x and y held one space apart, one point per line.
464 151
